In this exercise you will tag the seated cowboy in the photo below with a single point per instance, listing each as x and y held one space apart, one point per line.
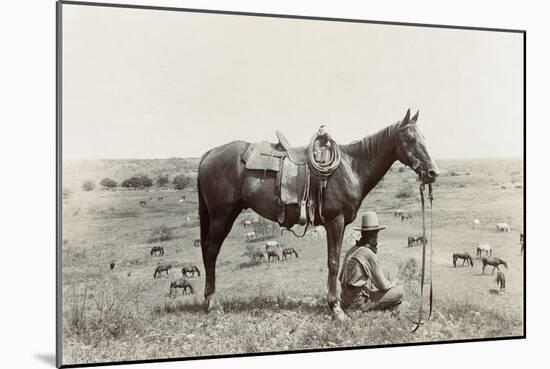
322 146
363 283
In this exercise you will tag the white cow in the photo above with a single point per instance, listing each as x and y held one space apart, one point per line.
250 236
476 223
503 227
484 248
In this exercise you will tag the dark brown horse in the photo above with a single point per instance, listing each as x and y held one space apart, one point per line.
465 257
190 269
182 283
494 262
288 252
225 188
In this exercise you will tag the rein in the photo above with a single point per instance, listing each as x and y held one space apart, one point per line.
422 276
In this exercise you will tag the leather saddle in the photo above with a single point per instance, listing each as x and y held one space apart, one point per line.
293 167
297 155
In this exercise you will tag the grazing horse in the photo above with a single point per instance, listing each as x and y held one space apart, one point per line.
288 252
142 203
258 255
190 269
415 240
406 216
484 248
157 250
197 242
503 227
273 250
225 188
398 212
162 268
182 283
466 258
476 223
501 281
420 239
492 261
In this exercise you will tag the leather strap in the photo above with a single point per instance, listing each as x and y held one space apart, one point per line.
423 273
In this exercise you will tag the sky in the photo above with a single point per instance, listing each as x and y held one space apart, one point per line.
158 84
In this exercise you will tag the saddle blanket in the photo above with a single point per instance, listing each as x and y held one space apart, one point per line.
263 156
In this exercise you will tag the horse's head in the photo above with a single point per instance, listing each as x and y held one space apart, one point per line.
412 150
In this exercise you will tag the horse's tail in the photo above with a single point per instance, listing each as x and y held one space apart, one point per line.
204 217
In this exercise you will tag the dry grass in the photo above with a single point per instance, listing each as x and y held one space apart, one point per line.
128 315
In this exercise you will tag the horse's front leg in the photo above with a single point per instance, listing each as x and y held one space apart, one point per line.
335 234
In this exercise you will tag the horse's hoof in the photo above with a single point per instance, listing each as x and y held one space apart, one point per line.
339 316
213 306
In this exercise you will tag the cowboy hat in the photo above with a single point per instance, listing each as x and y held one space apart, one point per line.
369 222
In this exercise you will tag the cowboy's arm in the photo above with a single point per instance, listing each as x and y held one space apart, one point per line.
377 276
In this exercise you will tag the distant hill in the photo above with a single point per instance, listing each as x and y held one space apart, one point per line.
76 171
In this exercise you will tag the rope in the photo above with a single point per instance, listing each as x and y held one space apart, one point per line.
323 170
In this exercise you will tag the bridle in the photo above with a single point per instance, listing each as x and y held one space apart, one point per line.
415 163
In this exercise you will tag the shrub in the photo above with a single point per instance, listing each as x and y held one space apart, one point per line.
181 181
401 169
137 182
404 193
263 227
113 314
162 181
108 183
409 272
161 233
88 185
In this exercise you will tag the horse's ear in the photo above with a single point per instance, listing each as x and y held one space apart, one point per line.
415 117
407 117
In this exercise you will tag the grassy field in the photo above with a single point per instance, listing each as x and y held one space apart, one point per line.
126 314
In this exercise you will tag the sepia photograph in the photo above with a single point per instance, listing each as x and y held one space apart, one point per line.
244 184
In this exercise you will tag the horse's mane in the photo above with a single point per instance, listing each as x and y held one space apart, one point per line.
374 143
